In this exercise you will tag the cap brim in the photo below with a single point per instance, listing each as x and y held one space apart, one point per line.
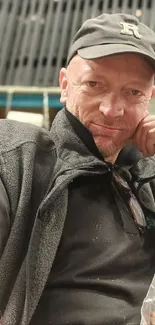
102 50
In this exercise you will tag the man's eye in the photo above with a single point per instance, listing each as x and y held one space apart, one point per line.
92 84
135 92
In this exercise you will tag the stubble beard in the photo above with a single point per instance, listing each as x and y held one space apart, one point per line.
109 148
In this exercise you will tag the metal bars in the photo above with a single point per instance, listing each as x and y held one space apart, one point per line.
35 35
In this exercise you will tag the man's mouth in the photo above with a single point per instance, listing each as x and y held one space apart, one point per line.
101 129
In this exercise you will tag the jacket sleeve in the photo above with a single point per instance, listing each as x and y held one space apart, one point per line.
4 217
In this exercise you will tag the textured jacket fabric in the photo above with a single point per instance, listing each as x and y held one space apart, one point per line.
35 168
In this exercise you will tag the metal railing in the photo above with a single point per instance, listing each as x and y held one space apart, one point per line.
35 34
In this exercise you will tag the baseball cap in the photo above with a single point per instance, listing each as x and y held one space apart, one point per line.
110 34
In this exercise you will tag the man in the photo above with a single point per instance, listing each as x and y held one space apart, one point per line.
78 202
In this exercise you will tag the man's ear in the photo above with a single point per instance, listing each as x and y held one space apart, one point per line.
63 85
153 92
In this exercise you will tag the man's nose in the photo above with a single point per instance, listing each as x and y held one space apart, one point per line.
112 106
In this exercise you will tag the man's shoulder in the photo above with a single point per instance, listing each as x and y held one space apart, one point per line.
14 133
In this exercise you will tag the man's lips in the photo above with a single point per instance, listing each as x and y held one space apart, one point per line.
104 129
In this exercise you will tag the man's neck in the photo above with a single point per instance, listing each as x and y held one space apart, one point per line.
112 159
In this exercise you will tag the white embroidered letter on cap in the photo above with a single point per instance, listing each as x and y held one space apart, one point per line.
130 29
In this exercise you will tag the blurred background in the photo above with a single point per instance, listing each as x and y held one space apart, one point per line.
34 40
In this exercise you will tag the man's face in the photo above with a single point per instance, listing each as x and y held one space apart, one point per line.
110 96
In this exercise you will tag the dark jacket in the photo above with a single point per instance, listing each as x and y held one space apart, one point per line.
35 168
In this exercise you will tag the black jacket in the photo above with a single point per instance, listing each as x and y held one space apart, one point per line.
35 168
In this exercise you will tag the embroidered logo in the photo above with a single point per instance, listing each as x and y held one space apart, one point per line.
149 223
130 29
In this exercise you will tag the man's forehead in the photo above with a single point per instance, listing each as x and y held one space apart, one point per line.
132 61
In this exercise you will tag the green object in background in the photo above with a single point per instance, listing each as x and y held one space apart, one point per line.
29 101
152 106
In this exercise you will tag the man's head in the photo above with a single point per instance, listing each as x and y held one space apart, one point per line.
108 82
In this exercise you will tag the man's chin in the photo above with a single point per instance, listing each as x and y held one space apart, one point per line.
109 149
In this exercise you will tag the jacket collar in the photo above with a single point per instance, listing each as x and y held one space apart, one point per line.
76 148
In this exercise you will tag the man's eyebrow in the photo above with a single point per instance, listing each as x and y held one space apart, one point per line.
94 75
137 82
